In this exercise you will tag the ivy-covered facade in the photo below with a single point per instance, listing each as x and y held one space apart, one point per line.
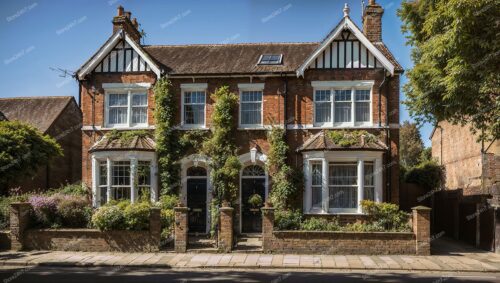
302 125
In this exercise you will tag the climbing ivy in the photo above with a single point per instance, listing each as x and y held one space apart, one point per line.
167 143
126 136
284 177
221 147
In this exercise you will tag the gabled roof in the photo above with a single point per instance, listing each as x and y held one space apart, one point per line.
139 143
347 23
40 112
228 58
321 141
119 35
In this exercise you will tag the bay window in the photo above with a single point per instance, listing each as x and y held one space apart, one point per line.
119 177
338 181
342 103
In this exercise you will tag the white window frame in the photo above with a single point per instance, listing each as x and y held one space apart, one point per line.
251 87
192 88
131 156
343 85
327 158
130 90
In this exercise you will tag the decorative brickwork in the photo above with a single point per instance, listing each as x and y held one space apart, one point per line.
181 229
422 229
226 229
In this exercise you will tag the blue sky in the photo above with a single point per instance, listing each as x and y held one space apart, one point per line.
41 34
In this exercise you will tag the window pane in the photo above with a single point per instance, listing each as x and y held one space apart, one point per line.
316 174
104 195
343 95
118 99
343 174
369 193
322 95
120 173
323 112
251 96
121 193
342 112
362 95
139 115
343 197
343 185
317 197
139 99
103 173
118 115
251 113
144 173
369 174
194 97
194 114
362 111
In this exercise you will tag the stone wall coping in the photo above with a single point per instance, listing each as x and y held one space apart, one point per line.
421 207
226 208
181 208
83 230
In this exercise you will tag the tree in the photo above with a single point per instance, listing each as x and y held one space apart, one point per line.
23 149
455 52
410 144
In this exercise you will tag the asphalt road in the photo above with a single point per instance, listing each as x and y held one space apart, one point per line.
125 274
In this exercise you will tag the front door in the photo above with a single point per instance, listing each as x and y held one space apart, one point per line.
197 204
251 216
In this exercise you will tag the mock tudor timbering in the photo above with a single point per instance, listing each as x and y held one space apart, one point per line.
348 81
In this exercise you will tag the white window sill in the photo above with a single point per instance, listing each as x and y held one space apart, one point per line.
108 128
342 126
192 127
322 212
252 127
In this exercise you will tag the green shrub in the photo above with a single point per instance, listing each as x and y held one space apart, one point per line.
74 211
71 189
167 204
109 217
137 216
320 224
363 227
287 219
386 215
427 174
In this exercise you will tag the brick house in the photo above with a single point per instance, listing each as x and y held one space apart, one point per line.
60 118
348 81
467 208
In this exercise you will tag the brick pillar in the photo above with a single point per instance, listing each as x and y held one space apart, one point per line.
181 229
19 221
267 228
226 229
422 229
155 223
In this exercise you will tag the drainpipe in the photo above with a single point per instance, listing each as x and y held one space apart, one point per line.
388 142
380 101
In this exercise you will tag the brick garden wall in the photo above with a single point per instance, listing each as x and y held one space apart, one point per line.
90 240
319 242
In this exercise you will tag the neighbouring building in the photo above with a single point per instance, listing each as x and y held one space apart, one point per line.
347 81
59 117
467 207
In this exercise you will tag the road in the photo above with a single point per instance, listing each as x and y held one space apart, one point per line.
42 274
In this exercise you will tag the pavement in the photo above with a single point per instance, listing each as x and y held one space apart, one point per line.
449 257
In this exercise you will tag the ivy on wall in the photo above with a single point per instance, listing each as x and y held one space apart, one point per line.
350 138
221 147
284 177
167 143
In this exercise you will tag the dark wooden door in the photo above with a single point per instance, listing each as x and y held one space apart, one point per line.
251 217
197 204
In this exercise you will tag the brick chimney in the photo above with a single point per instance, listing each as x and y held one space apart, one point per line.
372 21
123 20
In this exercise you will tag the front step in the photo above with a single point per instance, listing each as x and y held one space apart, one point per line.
249 243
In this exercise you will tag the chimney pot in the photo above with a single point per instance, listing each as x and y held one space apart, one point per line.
120 11
128 14
372 2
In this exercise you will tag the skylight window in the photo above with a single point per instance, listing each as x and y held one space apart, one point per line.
270 59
